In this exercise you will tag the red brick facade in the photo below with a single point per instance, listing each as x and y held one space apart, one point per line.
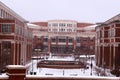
108 44
15 38
52 39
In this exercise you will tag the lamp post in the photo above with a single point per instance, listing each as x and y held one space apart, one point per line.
73 51
32 64
63 72
91 65
104 68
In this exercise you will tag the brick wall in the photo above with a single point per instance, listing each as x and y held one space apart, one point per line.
18 72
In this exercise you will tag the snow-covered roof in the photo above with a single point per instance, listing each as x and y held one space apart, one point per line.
87 55
33 26
92 27
61 58
16 66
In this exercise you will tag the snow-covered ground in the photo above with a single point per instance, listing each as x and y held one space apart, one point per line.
94 71
61 58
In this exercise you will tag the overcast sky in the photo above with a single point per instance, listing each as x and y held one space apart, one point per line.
79 10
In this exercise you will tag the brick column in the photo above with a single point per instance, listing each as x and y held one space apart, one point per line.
101 54
0 57
16 72
67 44
74 43
111 57
12 54
106 55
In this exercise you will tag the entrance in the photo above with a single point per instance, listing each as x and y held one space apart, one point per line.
61 49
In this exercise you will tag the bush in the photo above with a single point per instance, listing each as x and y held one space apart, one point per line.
3 70
115 72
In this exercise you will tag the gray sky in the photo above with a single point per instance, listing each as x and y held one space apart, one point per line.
79 10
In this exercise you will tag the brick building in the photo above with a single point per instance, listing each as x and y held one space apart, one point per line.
108 43
15 38
64 36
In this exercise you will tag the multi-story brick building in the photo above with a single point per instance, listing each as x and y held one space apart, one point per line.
108 43
15 38
64 36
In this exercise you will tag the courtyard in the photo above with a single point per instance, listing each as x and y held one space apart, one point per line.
90 70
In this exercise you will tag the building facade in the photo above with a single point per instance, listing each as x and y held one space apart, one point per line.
64 37
15 38
108 43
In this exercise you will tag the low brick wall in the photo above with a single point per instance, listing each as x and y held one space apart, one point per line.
17 72
4 77
61 64
29 77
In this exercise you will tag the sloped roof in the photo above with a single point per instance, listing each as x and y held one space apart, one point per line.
92 27
43 24
84 24
33 26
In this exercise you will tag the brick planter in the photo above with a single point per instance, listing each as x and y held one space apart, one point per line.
16 72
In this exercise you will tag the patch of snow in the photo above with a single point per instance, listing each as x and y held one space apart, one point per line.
4 76
16 66
61 58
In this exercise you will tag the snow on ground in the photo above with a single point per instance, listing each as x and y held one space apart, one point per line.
65 72
61 58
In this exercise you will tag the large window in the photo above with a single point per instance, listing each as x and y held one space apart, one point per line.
78 39
111 33
6 49
53 39
69 30
62 40
54 24
69 25
55 30
70 40
45 39
62 24
6 28
84 39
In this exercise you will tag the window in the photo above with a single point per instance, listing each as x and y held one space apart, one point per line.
6 45
91 39
70 40
69 25
6 49
102 34
69 30
49 25
62 40
46 39
49 30
84 39
91 47
62 24
39 38
78 39
112 32
6 28
109 33
54 24
55 30
0 12
53 39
